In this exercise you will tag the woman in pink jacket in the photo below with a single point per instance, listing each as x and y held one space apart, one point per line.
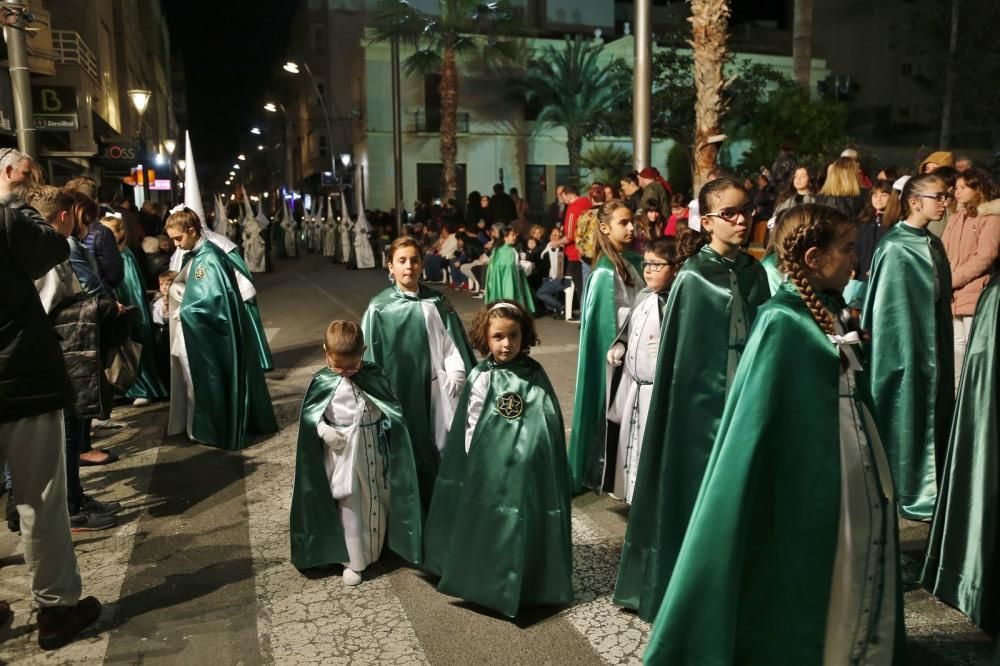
972 241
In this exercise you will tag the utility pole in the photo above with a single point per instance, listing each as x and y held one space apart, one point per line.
949 81
15 18
397 137
643 85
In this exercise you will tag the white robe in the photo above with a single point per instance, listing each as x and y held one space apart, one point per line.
181 416
345 239
330 240
630 406
253 246
363 256
355 459
291 246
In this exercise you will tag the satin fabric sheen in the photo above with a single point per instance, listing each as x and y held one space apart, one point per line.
396 336
498 532
131 292
253 313
908 314
317 537
963 553
598 330
753 579
689 393
232 403
774 275
505 279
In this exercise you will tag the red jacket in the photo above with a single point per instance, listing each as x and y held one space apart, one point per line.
573 212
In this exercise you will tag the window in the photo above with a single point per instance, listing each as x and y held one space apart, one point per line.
323 148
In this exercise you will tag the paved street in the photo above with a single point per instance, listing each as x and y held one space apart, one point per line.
198 571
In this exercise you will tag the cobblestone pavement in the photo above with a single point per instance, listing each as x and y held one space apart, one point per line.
198 571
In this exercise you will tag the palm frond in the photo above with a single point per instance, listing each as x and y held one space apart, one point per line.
422 61
398 19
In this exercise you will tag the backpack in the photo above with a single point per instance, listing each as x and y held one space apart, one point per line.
586 226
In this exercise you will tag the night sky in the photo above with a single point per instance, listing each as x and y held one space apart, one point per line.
231 52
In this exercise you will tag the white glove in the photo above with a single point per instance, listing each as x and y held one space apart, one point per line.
453 385
616 354
331 436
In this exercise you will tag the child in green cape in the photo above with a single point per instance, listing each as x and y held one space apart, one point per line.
415 335
504 276
355 481
792 552
612 286
498 532
711 306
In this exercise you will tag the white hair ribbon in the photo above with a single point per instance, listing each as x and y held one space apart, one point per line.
900 183
177 209
843 343
117 216
773 221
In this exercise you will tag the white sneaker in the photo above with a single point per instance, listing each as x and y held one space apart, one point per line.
140 402
108 424
351 577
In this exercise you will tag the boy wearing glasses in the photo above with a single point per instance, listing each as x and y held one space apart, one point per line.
636 347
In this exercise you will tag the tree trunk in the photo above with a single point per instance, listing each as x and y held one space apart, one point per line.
574 146
709 23
449 124
802 39
949 81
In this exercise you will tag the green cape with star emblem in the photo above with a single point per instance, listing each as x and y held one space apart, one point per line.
132 292
317 537
396 336
498 532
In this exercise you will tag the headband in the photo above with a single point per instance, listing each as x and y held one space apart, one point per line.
504 306
178 209
117 216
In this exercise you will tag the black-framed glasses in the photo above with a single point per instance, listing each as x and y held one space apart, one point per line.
656 266
940 197
733 213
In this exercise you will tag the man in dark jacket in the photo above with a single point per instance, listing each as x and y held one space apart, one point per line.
34 387
502 207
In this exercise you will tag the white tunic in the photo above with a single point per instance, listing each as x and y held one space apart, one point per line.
363 256
861 619
630 407
477 399
356 462
345 239
291 247
330 241
253 246
181 417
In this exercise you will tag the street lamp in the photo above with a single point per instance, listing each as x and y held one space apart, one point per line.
182 164
269 107
345 159
169 145
241 157
140 100
255 130
291 67
260 147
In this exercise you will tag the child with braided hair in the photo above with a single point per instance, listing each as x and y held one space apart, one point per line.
791 556
704 327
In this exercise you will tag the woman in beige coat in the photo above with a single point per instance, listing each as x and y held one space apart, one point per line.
972 241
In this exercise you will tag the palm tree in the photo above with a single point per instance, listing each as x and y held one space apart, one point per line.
709 32
438 40
802 41
573 90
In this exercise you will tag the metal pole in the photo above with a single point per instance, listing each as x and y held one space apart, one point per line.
326 117
20 77
397 137
289 165
643 85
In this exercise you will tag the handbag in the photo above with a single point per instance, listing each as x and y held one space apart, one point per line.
123 369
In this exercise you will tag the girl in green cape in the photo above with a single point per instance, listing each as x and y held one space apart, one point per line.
504 276
907 311
498 532
355 482
712 303
612 286
415 336
791 555
963 551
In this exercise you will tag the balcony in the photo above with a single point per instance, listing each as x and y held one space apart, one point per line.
70 49
431 122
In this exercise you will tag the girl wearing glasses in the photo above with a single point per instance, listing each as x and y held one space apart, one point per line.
709 312
907 311
611 289
635 348
791 556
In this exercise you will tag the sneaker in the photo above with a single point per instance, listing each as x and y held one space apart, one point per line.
91 505
140 402
59 625
108 424
83 521
351 577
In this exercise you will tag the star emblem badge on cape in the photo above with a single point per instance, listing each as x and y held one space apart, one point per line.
510 405
199 273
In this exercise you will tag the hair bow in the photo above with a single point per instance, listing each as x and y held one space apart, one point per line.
117 216
178 209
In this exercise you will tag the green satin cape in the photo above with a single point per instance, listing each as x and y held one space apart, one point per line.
689 393
396 336
317 536
498 532
231 399
907 311
774 275
505 279
753 579
962 567
131 291
253 313
598 330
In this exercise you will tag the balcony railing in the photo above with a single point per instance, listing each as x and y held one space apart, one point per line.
431 122
70 49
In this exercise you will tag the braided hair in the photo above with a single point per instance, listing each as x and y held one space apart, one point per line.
805 227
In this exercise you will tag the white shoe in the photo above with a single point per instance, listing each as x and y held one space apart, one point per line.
140 402
108 424
351 577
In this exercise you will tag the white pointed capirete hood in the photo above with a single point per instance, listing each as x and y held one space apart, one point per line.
192 191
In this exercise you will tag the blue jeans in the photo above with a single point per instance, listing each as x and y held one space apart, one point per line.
585 271
550 293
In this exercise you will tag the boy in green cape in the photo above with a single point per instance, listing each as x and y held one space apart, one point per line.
355 481
504 277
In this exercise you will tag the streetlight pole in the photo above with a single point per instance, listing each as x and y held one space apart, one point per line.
170 145
271 107
397 137
643 85
140 100
14 20
293 68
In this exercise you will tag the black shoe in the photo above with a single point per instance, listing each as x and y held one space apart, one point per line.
6 614
90 505
82 521
60 625
14 526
